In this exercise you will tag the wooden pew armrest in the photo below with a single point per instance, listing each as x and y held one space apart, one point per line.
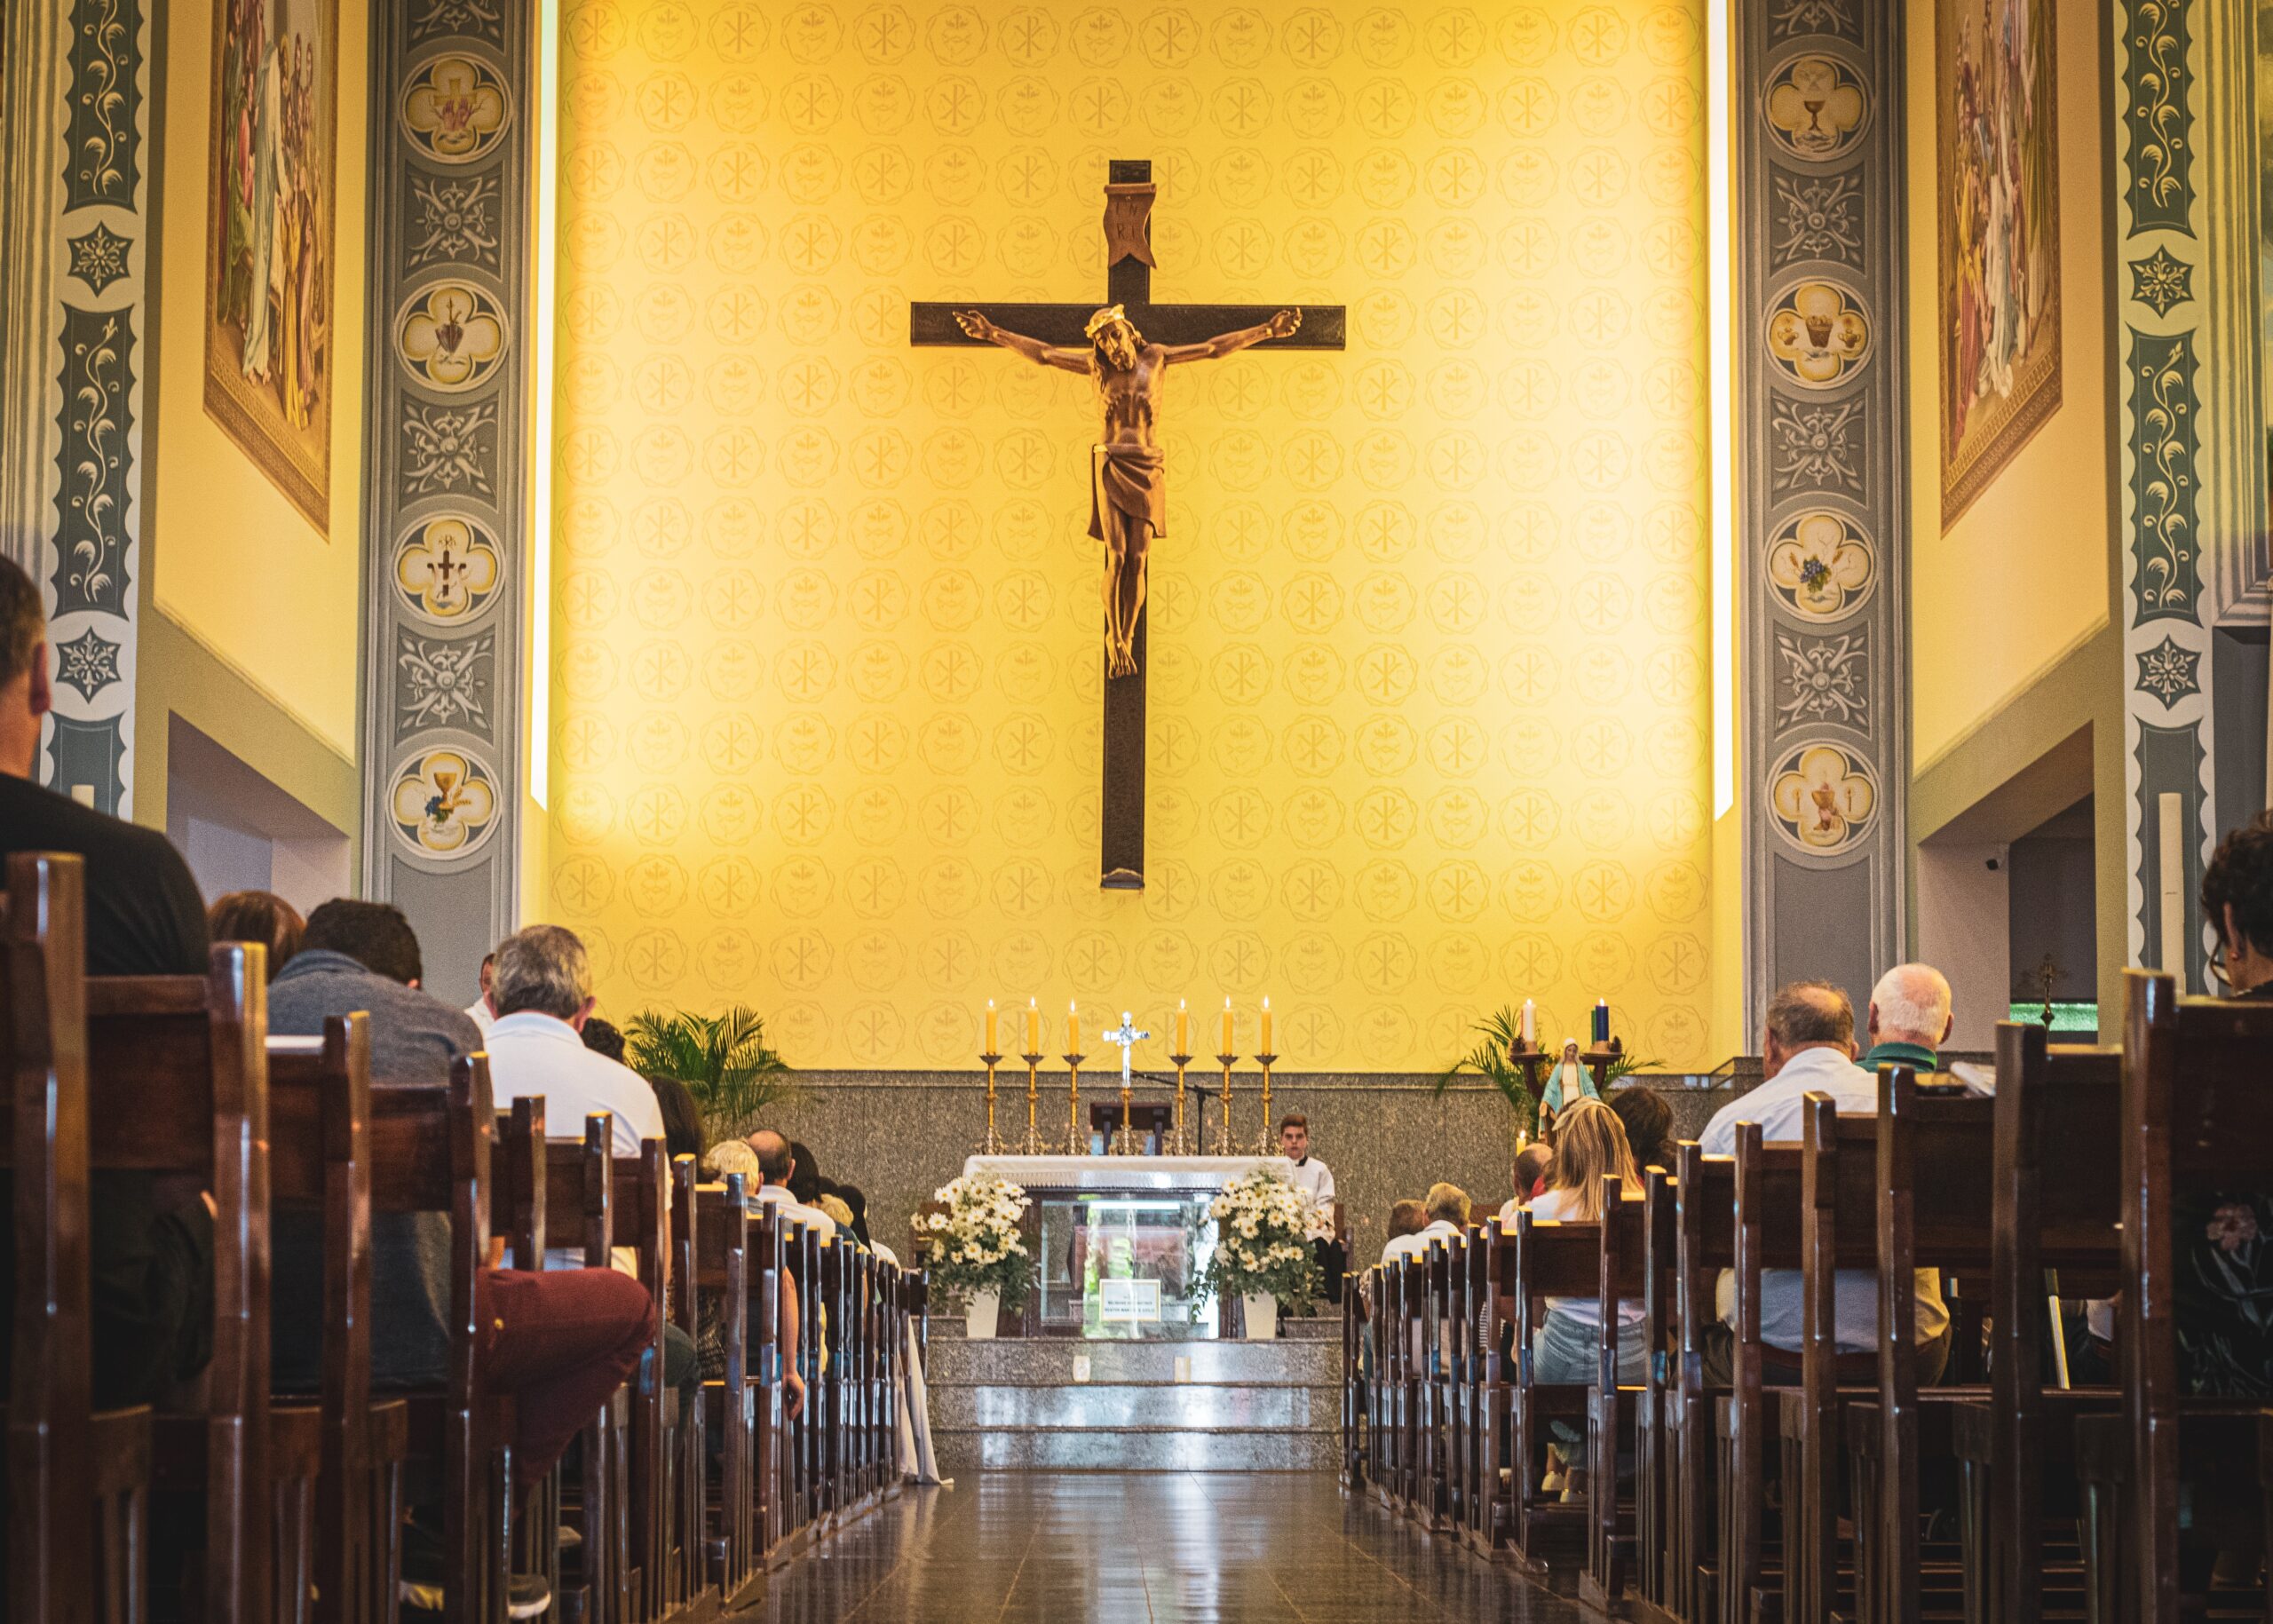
1973 1431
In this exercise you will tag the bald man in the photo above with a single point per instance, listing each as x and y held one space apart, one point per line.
1910 1020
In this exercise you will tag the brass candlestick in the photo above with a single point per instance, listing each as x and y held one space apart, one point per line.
1124 1143
993 1147
1266 1145
1179 1145
1034 1146
1077 1143
1226 1062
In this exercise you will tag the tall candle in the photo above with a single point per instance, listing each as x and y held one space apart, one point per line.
990 1025
1227 1028
1183 1028
1072 1028
1033 1027
1602 1020
1266 1024
1530 1023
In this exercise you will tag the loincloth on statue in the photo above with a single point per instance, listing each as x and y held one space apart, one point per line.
1133 478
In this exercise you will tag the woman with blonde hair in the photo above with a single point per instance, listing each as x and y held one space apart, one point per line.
1589 1146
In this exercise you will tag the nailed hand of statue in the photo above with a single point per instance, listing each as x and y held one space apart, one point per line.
974 325
1284 324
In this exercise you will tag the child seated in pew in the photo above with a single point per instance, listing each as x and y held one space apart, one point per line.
1589 1146
1532 1163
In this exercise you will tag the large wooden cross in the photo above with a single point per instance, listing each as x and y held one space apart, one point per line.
1129 193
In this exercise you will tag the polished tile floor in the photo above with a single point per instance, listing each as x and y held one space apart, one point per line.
1096 1549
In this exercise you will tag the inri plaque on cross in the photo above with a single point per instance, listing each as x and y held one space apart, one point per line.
1126 347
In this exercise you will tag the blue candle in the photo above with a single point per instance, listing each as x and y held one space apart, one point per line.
1602 1022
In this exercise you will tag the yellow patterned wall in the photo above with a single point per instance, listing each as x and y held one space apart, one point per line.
1429 725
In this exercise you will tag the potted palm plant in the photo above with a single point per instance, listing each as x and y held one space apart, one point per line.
1496 1036
725 1061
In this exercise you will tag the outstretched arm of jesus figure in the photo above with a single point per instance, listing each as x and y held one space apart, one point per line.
1041 354
1281 326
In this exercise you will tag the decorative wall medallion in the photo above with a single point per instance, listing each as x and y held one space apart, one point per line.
455 222
1824 800
444 683
1822 564
1816 108
447 450
99 258
2166 437
444 802
454 109
87 662
105 100
1824 679
2159 282
447 568
1811 446
1815 219
1817 334
451 336
2169 672
94 460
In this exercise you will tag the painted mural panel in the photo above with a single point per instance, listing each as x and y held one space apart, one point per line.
269 240
1997 206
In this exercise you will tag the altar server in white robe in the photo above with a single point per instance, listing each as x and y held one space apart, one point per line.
1315 1180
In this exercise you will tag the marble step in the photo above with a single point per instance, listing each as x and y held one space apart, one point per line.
1143 1450
1183 1407
1048 1361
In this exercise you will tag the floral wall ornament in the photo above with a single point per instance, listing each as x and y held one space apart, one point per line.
455 109
2168 672
1816 107
1822 564
1818 334
1824 800
451 336
444 803
447 568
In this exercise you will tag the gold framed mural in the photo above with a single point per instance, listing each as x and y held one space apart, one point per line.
1997 207
271 201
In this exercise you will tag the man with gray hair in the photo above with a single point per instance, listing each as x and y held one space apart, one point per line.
1910 1020
1809 1048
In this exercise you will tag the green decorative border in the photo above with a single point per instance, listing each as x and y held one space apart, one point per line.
2165 446
2157 112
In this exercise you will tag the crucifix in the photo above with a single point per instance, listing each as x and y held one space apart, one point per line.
1127 1037
1126 347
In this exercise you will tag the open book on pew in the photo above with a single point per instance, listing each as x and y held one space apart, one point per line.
1980 1080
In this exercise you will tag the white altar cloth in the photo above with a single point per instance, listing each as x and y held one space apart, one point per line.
1124 1172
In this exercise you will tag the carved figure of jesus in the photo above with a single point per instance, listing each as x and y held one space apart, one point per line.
1127 477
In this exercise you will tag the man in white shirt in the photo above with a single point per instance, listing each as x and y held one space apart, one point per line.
1809 1048
1447 1209
1315 1180
480 1011
543 991
776 1164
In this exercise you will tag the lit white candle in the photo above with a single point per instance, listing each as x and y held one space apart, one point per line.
1072 1028
1033 1027
1183 1028
1227 1028
1530 1023
1266 1024
990 1025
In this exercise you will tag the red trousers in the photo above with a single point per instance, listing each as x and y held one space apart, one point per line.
560 1342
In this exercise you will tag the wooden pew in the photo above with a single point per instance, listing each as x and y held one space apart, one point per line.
320 1157
1621 1253
1653 1477
2057 1115
1550 1259
688 1584
1704 1245
719 1214
1768 1224
177 1083
78 1479
2197 1120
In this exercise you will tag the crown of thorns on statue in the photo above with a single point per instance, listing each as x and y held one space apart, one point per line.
1105 318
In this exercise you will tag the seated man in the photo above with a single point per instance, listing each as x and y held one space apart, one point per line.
1532 1163
1910 1019
151 1261
562 1340
1809 1048
778 1168
543 991
1446 1209
1405 1218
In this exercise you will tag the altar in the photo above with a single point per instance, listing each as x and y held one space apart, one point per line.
1118 1242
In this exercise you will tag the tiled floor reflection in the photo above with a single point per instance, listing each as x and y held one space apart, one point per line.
1095 1549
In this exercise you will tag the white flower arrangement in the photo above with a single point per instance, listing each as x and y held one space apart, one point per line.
1262 1225
976 1245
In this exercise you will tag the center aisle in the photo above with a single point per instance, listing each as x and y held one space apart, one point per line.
1133 1548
